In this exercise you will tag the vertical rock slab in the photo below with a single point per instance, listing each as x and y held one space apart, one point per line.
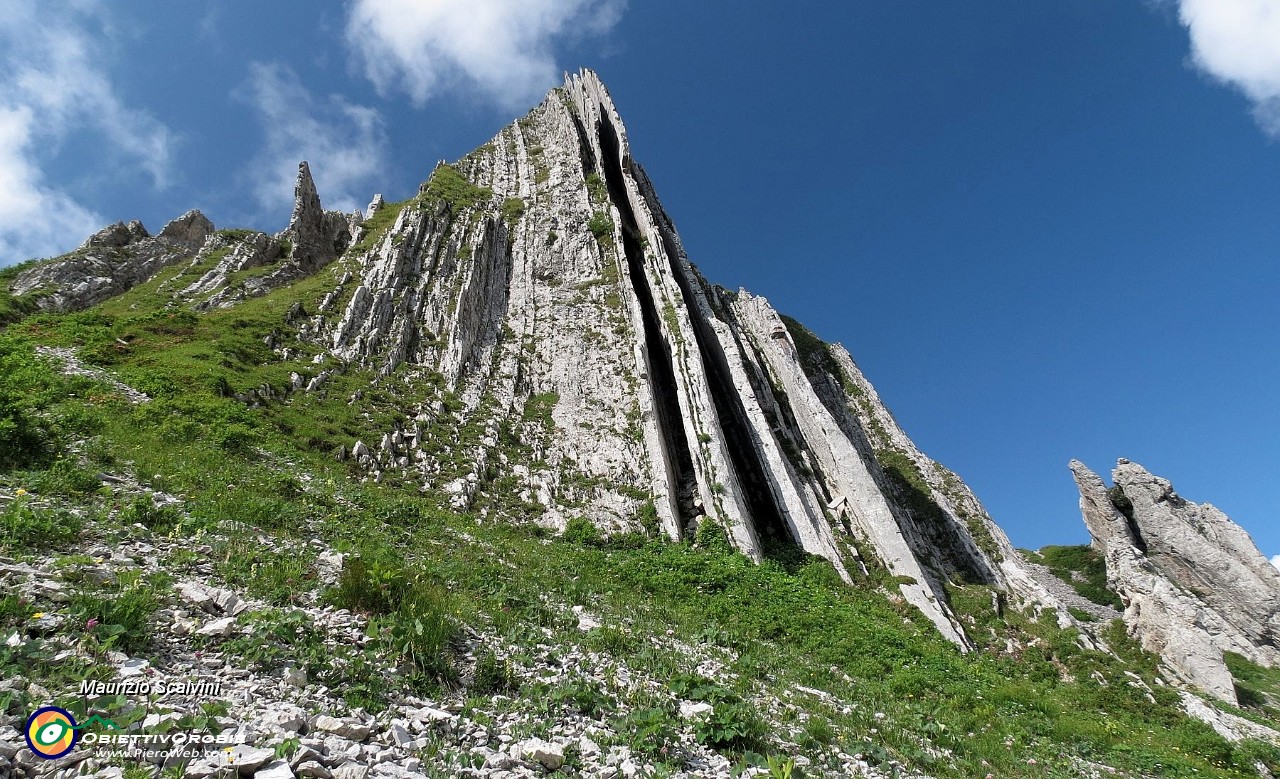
1193 583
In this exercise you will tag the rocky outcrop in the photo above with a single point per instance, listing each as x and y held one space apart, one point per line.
192 228
250 264
116 235
541 281
318 236
111 261
1193 583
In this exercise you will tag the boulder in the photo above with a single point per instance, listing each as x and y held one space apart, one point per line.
191 228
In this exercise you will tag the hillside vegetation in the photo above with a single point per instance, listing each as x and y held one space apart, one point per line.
792 664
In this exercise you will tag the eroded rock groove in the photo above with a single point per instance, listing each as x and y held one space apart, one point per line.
658 357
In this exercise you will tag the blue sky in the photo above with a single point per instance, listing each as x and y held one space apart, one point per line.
1044 230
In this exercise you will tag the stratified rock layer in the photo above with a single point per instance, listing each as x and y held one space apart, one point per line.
1193 583
113 260
552 277
559 356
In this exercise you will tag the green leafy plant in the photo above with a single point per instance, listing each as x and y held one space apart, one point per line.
24 525
420 632
650 731
143 511
580 530
730 725
601 226
123 619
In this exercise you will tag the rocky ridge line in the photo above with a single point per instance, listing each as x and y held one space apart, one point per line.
1193 583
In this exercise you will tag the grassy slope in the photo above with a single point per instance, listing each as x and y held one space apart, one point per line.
1081 567
899 691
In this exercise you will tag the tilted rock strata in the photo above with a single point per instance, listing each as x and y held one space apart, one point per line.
1201 550
113 260
563 358
1192 581
664 384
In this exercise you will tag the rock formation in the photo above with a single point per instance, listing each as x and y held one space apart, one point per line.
113 260
542 276
318 236
564 358
1193 582
191 228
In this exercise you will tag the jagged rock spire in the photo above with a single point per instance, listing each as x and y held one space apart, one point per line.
318 236
1193 582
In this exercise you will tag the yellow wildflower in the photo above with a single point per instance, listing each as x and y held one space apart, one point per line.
20 492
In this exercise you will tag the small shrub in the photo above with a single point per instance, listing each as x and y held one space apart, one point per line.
512 210
65 477
596 188
580 530
23 526
712 536
236 438
493 676
1121 501
731 726
601 226
647 516
367 586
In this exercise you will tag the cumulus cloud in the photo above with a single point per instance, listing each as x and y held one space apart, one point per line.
1238 43
52 85
35 220
1276 561
503 48
345 144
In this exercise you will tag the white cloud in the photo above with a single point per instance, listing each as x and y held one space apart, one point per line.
504 48
35 221
52 85
1276 561
1238 43
345 144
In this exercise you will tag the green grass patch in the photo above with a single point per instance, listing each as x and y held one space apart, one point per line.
447 185
1084 569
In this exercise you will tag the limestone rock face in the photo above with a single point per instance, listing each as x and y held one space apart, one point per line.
1193 582
541 281
191 228
559 356
318 236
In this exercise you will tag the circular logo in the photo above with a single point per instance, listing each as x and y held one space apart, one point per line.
51 732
